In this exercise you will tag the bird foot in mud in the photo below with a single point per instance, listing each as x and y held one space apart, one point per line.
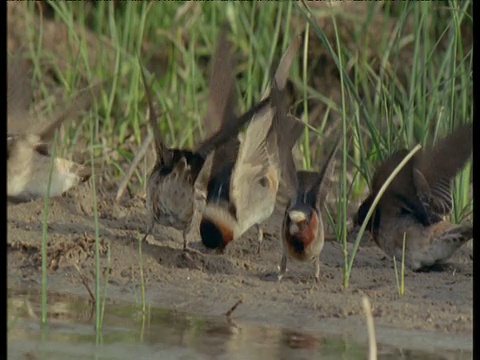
192 252
271 277
192 256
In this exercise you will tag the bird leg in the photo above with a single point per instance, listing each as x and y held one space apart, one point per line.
186 249
150 226
316 265
283 266
185 239
260 237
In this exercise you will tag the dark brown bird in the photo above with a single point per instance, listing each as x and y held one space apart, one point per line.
29 162
172 197
242 192
303 230
417 200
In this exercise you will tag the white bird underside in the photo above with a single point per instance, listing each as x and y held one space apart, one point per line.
28 173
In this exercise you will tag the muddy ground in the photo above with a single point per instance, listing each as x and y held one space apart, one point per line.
440 303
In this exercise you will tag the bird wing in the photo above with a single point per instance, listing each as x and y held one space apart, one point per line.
221 99
220 121
286 129
438 165
19 95
253 162
322 184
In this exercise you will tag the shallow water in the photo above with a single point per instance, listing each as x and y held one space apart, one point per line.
130 333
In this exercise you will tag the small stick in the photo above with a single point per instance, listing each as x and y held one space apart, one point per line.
330 237
30 310
372 342
140 154
232 309
85 283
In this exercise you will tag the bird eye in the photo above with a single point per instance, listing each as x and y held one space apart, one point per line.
263 181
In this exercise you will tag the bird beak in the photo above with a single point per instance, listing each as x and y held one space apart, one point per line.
200 199
297 216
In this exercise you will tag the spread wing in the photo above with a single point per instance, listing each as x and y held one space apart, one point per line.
253 160
220 120
220 90
19 95
437 166
386 168
259 153
288 134
323 183
78 105
283 69
253 157
401 191
153 119
286 129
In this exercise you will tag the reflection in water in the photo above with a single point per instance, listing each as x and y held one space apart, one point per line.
128 333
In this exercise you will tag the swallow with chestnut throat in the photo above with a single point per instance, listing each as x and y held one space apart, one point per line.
303 231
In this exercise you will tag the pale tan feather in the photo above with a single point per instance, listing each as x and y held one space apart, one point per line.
253 157
28 172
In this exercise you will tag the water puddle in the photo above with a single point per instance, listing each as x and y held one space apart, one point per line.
129 333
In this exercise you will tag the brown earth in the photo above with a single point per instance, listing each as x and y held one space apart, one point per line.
440 303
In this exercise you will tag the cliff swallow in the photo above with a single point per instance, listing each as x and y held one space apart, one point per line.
172 197
417 200
303 230
243 190
29 161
